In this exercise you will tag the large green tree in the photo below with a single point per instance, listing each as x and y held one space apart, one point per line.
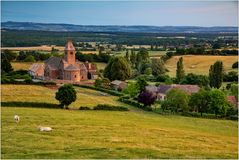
132 89
218 102
180 71
158 67
216 74
127 56
133 58
118 68
141 83
176 100
200 101
6 66
66 94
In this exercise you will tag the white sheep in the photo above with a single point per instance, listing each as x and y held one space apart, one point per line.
17 118
47 129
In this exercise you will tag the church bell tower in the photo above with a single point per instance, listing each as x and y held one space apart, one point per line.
70 52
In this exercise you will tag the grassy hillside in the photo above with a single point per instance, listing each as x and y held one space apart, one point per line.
31 93
102 134
199 64
107 134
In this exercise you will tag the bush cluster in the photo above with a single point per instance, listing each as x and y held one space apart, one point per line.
105 107
207 115
134 103
110 107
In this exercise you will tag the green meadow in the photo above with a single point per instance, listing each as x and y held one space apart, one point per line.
106 134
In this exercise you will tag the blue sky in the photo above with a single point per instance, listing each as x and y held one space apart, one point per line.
161 13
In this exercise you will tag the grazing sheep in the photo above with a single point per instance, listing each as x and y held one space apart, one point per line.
47 129
17 118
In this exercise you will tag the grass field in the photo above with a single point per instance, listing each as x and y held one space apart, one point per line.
199 64
31 93
107 134
100 65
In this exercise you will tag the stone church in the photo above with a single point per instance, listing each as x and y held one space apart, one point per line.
68 68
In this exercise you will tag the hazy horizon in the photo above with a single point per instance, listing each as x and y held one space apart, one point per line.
113 24
124 13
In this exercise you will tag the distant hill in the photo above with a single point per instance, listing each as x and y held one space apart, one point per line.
115 28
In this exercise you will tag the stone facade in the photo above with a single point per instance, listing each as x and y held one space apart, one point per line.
68 68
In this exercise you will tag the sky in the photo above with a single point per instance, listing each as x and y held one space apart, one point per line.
154 13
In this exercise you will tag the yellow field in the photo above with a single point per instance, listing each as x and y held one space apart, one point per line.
85 97
22 65
199 64
36 48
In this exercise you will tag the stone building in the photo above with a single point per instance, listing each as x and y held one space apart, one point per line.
68 68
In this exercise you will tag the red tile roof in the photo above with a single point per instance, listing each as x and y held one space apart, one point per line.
232 100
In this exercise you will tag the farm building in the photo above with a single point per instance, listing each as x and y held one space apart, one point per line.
162 90
67 68
36 71
118 85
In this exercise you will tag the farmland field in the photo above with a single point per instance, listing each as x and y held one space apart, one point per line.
31 93
22 65
199 64
107 134
35 48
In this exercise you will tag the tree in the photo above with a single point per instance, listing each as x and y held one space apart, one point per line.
234 90
98 82
141 84
10 55
147 98
132 89
200 101
158 67
142 59
66 95
133 58
180 70
218 102
117 68
127 56
29 58
216 74
235 65
177 100
195 79
230 77
5 65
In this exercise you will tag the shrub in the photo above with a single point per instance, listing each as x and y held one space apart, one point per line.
84 108
235 65
162 78
110 107
134 103
29 58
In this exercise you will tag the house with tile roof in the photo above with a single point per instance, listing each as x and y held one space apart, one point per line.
162 90
68 68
